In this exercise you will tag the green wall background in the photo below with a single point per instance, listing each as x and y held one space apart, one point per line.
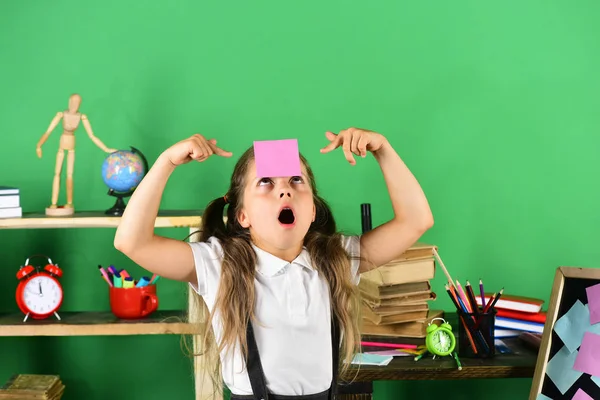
494 107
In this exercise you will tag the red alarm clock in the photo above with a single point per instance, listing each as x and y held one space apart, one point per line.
39 293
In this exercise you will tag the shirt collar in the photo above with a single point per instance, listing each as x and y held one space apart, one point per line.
270 265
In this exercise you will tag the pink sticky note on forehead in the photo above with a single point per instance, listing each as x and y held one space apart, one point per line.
277 158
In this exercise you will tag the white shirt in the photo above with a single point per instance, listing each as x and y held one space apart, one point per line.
294 313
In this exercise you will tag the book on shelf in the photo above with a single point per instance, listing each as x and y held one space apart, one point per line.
386 318
410 329
30 386
539 317
519 325
398 272
515 303
10 203
374 290
409 299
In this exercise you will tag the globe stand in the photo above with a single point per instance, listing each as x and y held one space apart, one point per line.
119 207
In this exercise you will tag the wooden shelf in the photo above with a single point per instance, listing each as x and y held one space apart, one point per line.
96 324
97 219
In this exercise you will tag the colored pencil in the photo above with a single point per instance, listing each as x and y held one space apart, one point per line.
458 308
481 292
471 297
463 297
390 345
495 300
437 256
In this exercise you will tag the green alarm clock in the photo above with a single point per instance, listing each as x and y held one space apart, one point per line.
440 340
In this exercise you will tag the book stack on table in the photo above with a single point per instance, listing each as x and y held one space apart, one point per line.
396 296
517 314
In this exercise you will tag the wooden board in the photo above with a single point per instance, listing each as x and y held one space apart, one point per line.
96 323
518 364
569 286
97 219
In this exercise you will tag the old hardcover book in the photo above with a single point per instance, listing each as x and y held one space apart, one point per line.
413 329
31 386
394 273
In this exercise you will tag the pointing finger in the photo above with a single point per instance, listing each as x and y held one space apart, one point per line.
217 150
335 142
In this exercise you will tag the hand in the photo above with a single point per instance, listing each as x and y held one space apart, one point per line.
354 140
38 151
111 150
194 148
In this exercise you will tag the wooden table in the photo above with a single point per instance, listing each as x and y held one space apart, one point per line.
518 364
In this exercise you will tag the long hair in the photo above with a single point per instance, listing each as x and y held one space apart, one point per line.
236 297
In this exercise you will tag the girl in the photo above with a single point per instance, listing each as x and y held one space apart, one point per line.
278 280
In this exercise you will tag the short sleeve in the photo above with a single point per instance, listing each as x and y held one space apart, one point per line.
352 246
207 260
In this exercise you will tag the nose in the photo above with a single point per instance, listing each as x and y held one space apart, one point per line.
284 189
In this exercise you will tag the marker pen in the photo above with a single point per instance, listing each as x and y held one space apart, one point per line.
118 281
128 282
105 275
144 281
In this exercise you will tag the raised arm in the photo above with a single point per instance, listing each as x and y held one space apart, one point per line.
90 132
412 215
135 237
46 134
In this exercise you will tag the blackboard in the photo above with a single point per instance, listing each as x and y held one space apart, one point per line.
569 287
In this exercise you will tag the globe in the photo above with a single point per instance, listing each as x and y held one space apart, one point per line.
122 172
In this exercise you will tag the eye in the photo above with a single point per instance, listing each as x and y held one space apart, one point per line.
297 179
264 181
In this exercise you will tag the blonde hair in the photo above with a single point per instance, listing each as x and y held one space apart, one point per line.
236 297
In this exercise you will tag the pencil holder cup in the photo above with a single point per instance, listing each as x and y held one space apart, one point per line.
476 334
133 303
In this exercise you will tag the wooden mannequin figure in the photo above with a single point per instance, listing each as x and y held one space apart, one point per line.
71 118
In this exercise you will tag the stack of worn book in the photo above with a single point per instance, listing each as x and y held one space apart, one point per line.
396 296
30 387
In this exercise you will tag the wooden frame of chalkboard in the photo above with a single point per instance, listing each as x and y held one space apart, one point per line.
569 285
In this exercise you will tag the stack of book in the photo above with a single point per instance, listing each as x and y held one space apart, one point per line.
517 314
10 202
29 387
395 296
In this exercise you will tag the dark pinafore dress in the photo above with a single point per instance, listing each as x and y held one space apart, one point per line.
257 376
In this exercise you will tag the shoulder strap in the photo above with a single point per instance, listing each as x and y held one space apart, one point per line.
254 366
335 355
255 370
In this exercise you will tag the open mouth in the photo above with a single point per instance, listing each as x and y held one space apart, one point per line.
286 216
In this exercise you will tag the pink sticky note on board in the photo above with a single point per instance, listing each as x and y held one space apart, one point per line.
276 158
581 395
593 296
588 359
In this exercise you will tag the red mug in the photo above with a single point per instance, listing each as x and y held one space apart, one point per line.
133 303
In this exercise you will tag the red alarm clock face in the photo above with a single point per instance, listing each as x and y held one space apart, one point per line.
42 295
